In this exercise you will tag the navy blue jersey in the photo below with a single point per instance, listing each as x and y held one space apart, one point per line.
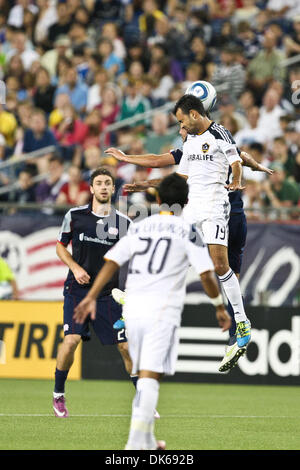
235 197
92 236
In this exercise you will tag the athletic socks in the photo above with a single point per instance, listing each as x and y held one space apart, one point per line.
232 290
60 379
134 379
232 329
141 435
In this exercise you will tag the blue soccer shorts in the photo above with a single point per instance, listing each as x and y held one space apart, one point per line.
108 312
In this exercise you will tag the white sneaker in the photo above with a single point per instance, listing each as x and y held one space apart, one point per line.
119 296
232 355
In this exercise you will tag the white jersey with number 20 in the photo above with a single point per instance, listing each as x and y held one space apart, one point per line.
160 249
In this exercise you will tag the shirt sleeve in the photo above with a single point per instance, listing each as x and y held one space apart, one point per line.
183 165
66 232
120 253
198 253
177 155
230 151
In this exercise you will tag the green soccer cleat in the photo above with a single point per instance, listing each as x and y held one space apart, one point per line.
119 296
232 355
243 333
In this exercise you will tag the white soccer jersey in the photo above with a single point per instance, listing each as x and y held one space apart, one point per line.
205 160
160 249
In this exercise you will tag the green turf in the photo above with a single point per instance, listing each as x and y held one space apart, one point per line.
193 416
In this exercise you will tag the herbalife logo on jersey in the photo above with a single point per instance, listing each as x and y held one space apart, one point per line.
200 156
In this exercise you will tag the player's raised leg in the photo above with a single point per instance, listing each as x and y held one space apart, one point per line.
231 287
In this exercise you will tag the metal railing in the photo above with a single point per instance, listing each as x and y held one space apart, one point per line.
15 160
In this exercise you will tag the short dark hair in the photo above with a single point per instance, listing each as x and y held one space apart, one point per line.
173 190
101 171
188 102
256 146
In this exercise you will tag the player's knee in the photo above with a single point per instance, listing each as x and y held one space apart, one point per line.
221 267
71 342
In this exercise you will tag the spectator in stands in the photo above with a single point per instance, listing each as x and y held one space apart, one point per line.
75 192
37 137
151 12
48 189
257 151
60 51
265 66
24 111
16 14
91 161
159 136
26 185
15 68
110 31
75 89
63 24
93 125
110 61
164 81
79 37
280 192
252 198
137 52
281 153
70 134
229 74
202 57
44 91
47 16
134 103
94 92
248 40
270 113
27 55
251 133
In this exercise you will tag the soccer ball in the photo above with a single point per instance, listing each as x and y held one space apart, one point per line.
205 92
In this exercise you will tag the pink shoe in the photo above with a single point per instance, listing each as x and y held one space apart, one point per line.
59 407
161 445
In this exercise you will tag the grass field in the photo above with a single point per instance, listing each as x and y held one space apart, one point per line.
193 416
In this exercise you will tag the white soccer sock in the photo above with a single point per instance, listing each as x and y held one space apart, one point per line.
232 290
141 436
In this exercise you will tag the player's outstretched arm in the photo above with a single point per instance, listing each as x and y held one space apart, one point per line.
81 276
88 305
249 161
142 185
237 172
211 288
148 160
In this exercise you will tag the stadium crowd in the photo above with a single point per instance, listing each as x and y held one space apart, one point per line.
72 68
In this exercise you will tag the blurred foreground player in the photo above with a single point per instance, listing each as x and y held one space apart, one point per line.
93 229
160 249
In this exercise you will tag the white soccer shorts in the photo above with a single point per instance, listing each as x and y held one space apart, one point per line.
152 342
214 229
